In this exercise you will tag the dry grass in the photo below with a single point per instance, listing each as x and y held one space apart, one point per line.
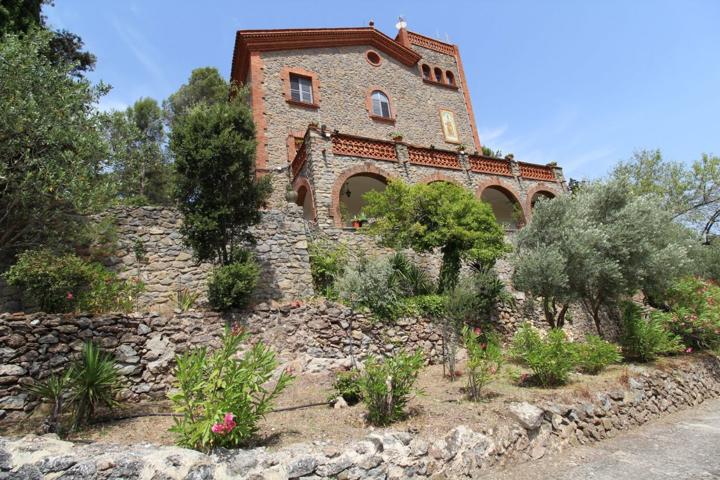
442 407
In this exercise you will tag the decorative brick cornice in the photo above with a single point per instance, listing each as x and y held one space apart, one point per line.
352 146
247 41
537 172
434 158
494 166
430 43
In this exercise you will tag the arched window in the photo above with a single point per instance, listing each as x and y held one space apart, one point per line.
438 74
380 104
450 77
426 71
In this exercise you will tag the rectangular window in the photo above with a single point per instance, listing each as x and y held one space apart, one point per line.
301 88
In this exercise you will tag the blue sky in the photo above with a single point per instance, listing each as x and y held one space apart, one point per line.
583 83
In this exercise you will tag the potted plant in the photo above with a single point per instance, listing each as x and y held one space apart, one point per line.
397 136
363 219
461 149
356 222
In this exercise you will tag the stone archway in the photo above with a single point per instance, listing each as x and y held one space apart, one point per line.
440 177
305 198
505 201
536 191
367 177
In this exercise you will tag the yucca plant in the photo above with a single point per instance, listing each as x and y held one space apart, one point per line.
53 390
95 383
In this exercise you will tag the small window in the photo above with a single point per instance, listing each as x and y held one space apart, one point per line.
426 72
380 104
373 58
450 77
438 74
301 88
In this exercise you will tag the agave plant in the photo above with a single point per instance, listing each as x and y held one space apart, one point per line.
54 390
95 382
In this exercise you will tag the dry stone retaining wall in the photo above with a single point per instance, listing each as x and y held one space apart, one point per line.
532 431
313 337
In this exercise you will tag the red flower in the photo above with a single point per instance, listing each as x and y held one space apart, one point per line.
70 296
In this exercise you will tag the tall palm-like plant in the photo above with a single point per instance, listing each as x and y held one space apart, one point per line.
54 390
95 380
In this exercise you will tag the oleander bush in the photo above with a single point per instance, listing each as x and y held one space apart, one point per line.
595 354
65 283
645 337
221 398
231 286
387 385
551 359
695 313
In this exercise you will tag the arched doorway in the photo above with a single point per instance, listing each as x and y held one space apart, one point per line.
304 199
350 198
507 209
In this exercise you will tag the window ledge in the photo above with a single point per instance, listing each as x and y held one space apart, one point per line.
440 84
378 118
297 103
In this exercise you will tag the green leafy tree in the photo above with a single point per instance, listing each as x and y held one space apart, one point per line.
439 215
216 187
138 160
51 148
19 17
691 193
596 246
205 85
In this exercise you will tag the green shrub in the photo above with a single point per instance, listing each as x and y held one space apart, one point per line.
371 283
551 358
387 384
485 358
64 283
95 382
432 306
526 339
695 313
231 286
595 354
327 263
412 279
347 386
643 339
222 398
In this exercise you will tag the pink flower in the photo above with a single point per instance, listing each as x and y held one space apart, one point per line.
226 426
218 428
70 296
689 350
477 331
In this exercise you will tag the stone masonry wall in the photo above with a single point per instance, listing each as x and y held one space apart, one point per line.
345 76
151 248
531 432
311 337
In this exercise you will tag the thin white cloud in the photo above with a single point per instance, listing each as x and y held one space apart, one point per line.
142 49
492 134
109 105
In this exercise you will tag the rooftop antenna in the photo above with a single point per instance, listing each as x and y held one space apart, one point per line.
401 23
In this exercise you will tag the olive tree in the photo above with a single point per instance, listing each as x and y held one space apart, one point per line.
51 147
596 246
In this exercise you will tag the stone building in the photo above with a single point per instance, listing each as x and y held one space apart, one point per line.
340 111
